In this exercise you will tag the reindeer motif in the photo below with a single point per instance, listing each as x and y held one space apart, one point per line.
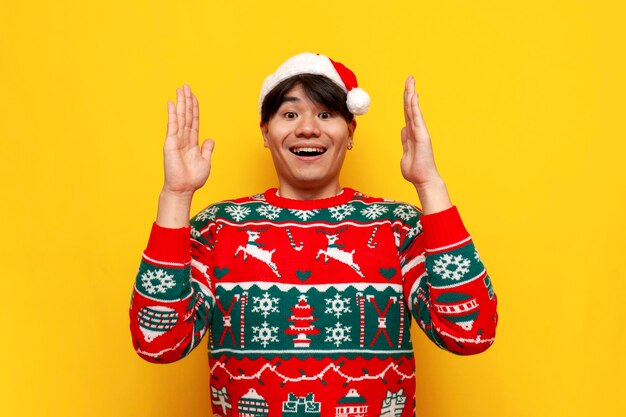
333 250
253 249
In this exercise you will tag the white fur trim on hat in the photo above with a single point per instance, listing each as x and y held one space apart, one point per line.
358 100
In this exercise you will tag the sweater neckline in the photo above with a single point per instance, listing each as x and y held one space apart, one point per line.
272 197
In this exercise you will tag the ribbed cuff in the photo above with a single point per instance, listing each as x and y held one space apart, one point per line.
443 228
169 245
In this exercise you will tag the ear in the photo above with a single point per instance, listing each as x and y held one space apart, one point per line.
352 128
264 131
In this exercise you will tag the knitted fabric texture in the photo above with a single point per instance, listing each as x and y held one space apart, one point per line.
308 304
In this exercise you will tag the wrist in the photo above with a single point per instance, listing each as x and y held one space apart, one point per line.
179 197
174 209
433 195
433 184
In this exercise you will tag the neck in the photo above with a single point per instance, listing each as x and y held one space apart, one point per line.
318 193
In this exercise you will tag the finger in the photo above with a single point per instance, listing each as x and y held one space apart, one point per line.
180 108
195 125
172 123
406 100
207 148
416 112
405 145
188 106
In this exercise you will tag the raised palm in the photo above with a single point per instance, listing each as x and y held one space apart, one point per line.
417 163
186 164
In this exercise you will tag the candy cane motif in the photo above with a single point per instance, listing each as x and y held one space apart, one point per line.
369 242
244 303
401 302
211 241
360 300
293 243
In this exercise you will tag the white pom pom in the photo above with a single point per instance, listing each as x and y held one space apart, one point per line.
358 101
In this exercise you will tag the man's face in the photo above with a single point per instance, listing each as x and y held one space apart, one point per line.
308 143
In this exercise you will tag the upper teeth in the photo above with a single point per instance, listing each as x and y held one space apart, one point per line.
308 149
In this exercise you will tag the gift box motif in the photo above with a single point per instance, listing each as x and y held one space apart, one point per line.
301 406
221 402
393 404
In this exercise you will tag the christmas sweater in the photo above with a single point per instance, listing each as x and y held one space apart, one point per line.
308 303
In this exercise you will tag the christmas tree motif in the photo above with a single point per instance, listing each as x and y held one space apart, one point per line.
302 318
252 405
352 405
156 320
393 404
221 401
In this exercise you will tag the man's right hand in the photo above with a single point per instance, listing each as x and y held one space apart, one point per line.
186 164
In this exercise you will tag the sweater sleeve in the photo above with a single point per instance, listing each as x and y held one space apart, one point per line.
446 285
172 300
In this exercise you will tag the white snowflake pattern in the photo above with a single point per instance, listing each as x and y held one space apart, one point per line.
265 334
341 212
452 267
374 211
265 305
268 211
337 305
238 213
208 213
414 231
338 334
405 212
304 215
477 255
157 281
194 232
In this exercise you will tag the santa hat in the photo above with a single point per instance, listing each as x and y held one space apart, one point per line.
358 101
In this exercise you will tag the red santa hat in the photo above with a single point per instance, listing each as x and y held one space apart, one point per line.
358 101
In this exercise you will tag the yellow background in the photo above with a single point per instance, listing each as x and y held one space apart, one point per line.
525 105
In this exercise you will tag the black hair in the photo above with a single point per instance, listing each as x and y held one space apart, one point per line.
318 88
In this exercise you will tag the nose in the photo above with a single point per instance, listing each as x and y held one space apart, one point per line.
307 127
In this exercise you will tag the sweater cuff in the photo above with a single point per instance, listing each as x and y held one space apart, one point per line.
443 228
169 245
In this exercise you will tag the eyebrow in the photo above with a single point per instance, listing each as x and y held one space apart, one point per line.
290 99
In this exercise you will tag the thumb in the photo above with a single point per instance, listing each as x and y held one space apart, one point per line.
207 148
403 137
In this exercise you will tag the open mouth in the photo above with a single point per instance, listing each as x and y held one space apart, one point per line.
309 151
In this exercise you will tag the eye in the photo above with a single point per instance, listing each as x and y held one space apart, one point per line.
290 115
325 115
